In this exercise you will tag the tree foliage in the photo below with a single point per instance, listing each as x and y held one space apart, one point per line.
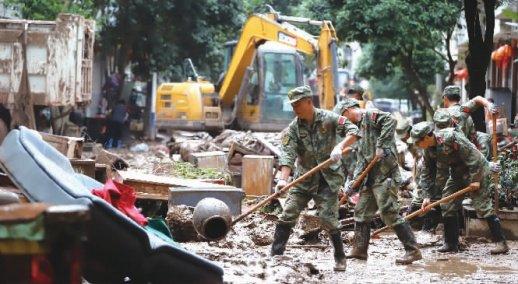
401 35
158 36
49 9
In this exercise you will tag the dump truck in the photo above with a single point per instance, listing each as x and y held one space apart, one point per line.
45 64
266 62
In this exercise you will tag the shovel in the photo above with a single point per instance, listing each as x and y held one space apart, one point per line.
360 179
430 206
309 173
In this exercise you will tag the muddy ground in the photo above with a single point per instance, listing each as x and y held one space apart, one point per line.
246 262
244 253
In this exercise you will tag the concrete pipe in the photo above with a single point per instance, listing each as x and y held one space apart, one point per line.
212 219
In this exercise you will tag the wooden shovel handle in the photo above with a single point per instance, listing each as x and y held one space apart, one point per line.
431 205
309 173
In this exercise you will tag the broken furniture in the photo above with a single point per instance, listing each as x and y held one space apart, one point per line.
116 246
178 191
41 243
72 147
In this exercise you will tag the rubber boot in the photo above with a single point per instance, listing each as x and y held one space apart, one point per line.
338 245
496 231
451 235
280 238
362 234
406 236
431 220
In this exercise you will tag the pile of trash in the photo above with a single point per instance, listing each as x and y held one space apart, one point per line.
186 143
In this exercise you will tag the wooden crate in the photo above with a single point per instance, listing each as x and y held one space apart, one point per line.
71 147
84 166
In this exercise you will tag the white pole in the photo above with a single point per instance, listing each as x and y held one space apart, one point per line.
152 112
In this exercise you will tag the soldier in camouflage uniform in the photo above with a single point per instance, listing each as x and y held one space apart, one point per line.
379 189
460 114
311 138
462 165
443 119
348 161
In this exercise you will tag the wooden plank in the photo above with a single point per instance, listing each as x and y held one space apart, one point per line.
152 196
257 174
85 166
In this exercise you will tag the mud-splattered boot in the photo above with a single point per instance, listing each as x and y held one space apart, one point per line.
496 231
338 245
280 238
451 235
362 234
406 236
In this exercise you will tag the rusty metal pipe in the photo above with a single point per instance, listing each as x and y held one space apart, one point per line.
212 219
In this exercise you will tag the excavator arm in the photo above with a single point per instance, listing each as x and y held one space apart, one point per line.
277 28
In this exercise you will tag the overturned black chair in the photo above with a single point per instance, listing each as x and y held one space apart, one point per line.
117 248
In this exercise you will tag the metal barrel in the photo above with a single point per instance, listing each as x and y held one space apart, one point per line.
212 219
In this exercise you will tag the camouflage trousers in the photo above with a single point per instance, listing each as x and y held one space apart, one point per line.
326 202
418 198
481 199
380 196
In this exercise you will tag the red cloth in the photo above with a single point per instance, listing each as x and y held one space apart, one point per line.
123 198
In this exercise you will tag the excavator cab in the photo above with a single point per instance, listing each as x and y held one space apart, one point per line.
275 70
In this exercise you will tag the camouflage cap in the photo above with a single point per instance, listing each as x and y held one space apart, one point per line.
299 93
402 127
442 118
355 89
419 131
451 90
348 103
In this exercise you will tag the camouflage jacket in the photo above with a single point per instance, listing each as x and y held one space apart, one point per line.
308 145
431 184
457 156
460 115
484 144
377 131
348 161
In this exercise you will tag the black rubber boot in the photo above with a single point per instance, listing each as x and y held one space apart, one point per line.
280 238
496 231
406 236
338 245
431 220
451 235
362 235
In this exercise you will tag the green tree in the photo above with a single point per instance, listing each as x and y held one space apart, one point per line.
49 9
406 34
159 35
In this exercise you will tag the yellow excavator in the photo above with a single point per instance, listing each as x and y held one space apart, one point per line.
253 92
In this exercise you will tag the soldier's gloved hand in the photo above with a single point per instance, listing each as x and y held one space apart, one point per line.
381 153
495 167
336 154
280 184
348 188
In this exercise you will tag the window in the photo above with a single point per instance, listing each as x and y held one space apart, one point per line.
280 74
